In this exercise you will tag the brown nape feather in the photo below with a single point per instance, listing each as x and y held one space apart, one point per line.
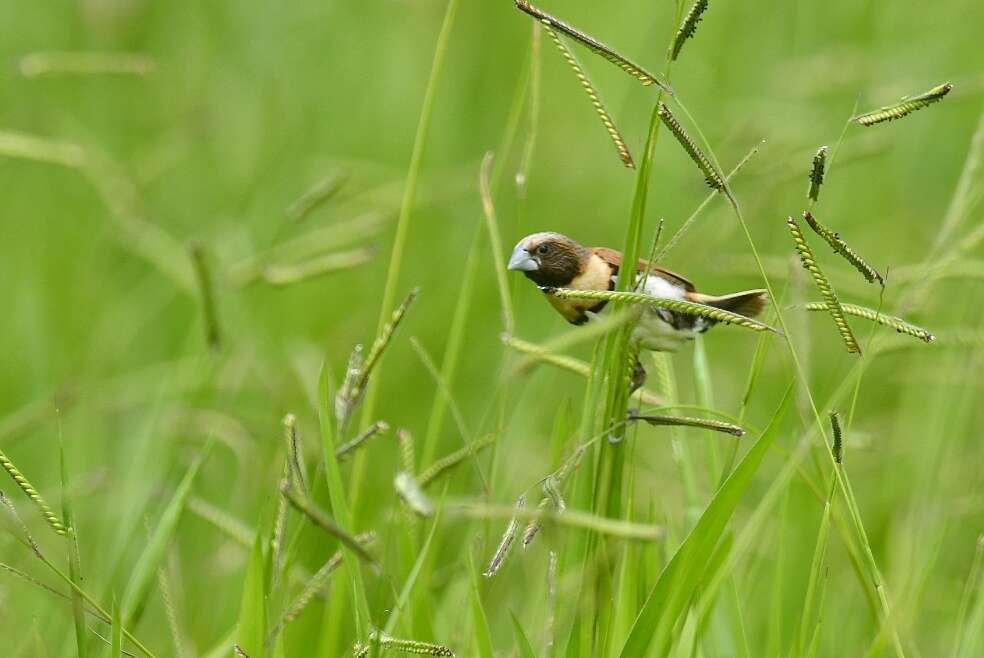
748 303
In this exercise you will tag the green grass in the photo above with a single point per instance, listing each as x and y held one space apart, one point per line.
208 205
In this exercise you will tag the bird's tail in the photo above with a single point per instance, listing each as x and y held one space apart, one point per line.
748 303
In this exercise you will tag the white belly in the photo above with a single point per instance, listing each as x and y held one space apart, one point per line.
652 331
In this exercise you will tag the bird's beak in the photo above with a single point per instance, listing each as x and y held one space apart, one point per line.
522 261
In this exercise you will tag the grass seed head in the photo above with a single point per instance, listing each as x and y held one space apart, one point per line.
688 27
904 107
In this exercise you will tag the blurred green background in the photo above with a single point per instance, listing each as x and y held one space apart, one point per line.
251 103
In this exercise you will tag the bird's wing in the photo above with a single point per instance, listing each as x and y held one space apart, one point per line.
614 258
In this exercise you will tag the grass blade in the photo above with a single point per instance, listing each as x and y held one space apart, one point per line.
339 501
37 65
522 642
407 203
481 633
251 631
679 579
75 558
495 241
116 648
145 570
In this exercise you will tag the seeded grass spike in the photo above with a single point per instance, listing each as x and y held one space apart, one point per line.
702 423
842 248
688 27
691 308
906 106
711 174
405 646
838 447
594 45
595 98
891 321
817 172
508 538
833 306
359 370
25 485
445 464
344 450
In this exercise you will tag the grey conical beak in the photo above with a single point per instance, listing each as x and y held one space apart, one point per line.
522 261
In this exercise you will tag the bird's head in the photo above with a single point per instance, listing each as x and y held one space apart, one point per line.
549 259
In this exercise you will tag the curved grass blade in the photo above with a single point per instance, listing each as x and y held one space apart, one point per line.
688 27
823 285
316 195
713 177
691 308
594 97
251 630
702 423
816 173
75 557
286 274
522 642
681 577
904 107
595 46
206 293
37 65
145 571
891 321
834 240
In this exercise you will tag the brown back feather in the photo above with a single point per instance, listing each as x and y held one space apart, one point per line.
614 258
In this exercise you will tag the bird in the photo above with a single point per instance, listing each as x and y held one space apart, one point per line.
553 260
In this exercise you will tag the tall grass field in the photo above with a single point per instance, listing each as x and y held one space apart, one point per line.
268 390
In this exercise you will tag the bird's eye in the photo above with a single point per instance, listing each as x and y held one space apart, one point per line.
542 249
